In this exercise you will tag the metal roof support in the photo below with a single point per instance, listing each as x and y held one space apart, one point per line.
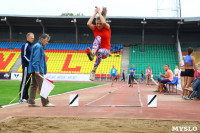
178 45
143 22
40 21
10 30
76 27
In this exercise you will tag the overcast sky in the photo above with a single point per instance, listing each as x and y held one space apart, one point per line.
148 8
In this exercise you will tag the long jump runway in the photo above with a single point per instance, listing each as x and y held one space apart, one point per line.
105 101
121 96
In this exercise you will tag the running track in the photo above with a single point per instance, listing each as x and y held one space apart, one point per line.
170 107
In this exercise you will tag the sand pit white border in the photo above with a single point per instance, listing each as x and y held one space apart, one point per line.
114 105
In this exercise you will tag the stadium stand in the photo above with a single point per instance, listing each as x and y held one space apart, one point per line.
8 59
66 58
195 46
155 56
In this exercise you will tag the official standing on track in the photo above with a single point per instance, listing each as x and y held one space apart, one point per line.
113 74
25 58
38 67
132 75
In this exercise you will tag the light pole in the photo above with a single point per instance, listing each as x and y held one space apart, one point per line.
40 21
10 29
143 22
76 27
177 40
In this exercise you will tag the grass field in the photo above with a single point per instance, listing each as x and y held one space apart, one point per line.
10 89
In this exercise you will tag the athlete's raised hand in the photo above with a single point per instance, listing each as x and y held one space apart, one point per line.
98 10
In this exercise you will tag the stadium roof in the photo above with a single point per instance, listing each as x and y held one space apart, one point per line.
117 22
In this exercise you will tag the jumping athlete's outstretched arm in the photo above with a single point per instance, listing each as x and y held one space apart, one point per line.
102 18
89 23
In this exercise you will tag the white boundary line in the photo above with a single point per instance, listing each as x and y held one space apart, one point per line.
102 96
58 94
114 105
140 96
141 104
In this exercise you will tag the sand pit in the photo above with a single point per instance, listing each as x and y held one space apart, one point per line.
87 125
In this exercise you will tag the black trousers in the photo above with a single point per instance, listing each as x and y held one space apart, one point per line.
24 84
131 79
123 77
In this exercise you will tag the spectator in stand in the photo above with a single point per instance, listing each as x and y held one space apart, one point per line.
176 71
189 62
182 75
168 77
148 74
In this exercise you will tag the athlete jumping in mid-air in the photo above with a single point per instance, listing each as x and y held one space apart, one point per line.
101 44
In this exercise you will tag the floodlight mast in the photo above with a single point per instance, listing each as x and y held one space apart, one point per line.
143 22
76 27
168 8
40 21
10 29
178 45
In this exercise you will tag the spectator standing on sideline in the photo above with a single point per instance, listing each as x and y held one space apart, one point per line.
132 75
148 74
123 75
190 67
142 74
176 71
37 67
25 58
182 75
113 74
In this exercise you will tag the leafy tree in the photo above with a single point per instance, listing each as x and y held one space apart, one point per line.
72 14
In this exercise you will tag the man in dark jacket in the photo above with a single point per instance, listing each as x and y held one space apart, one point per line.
123 75
25 58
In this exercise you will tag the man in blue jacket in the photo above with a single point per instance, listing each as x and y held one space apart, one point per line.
37 67
25 58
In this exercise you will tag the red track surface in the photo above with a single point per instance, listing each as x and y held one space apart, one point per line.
170 107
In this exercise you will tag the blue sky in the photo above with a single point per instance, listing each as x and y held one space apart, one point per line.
147 8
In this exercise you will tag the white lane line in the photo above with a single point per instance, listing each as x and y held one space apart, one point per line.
57 94
114 105
103 96
140 96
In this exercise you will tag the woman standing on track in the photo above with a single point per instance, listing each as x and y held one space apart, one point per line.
182 68
113 74
101 44
148 74
190 66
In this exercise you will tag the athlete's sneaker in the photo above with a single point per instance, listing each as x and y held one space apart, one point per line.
23 101
50 105
89 54
186 98
92 76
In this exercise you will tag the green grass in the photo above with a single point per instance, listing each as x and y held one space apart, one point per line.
10 89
